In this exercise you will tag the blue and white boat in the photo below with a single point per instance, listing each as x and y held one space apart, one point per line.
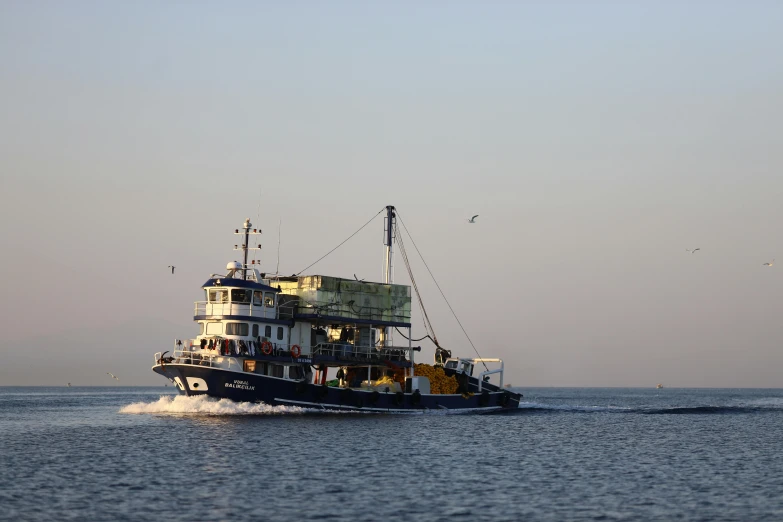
323 342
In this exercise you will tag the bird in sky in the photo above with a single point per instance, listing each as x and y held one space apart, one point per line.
113 376
769 264
692 251
172 267
473 219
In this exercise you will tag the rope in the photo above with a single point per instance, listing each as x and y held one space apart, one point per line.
341 244
415 340
439 289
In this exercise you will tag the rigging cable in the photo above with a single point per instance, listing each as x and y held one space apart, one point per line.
425 317
439 289
341 244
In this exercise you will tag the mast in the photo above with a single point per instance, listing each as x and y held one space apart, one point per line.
245 244
388 266
244 247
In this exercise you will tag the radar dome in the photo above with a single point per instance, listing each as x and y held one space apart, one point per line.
234 265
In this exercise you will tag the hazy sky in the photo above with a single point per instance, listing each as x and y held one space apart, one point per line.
597 141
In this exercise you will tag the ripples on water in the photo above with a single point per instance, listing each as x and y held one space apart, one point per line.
567 454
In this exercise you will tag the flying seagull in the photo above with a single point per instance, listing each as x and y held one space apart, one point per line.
172 268
113 376
769 264
473 219
692 251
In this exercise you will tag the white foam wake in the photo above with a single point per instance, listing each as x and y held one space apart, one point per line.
765 402
568 407
204 405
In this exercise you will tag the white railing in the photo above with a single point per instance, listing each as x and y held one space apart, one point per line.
199 358
251 310
251 348
488 372
190 352
246 309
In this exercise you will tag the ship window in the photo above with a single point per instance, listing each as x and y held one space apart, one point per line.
294 372
269 300
255 330
201 328
276 370
258 298
267 331
214 328
279 333
236 328
218 296
239 295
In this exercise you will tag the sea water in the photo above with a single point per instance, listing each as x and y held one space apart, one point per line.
565 454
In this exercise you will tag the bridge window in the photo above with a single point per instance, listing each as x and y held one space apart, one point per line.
240 295
201 328
236 328
258 298
255 330
214 328
267 331
269 300
279 333
218 296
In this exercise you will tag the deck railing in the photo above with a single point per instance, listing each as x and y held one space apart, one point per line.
199 358
351 351
190 352
286 311
252 310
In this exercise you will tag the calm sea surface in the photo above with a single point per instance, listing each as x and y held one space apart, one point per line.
567 454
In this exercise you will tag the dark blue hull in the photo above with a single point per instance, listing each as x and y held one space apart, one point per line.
248 387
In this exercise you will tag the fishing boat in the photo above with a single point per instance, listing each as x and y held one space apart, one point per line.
325 343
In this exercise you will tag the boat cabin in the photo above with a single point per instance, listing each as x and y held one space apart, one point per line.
282 326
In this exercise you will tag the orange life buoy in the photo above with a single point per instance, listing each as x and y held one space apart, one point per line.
296 351
266 347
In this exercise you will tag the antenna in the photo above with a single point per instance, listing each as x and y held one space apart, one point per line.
258 213
279 226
